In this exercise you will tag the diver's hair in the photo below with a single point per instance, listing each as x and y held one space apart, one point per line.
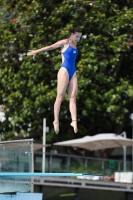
74 30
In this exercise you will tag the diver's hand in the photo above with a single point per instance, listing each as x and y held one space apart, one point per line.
32 53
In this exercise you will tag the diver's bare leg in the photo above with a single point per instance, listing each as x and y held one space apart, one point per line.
62 83
72 91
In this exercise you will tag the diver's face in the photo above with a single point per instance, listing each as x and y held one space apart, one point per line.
76 37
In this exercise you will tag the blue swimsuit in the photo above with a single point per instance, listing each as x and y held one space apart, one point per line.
70 55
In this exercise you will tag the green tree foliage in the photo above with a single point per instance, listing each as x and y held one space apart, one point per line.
104 65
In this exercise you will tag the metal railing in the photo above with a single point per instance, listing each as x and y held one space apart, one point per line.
79 164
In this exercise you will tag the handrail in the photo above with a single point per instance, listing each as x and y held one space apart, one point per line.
17 141
76 156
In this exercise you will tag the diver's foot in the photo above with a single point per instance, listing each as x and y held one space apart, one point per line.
56 127
74 125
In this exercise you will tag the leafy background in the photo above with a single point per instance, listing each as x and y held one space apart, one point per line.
104 66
